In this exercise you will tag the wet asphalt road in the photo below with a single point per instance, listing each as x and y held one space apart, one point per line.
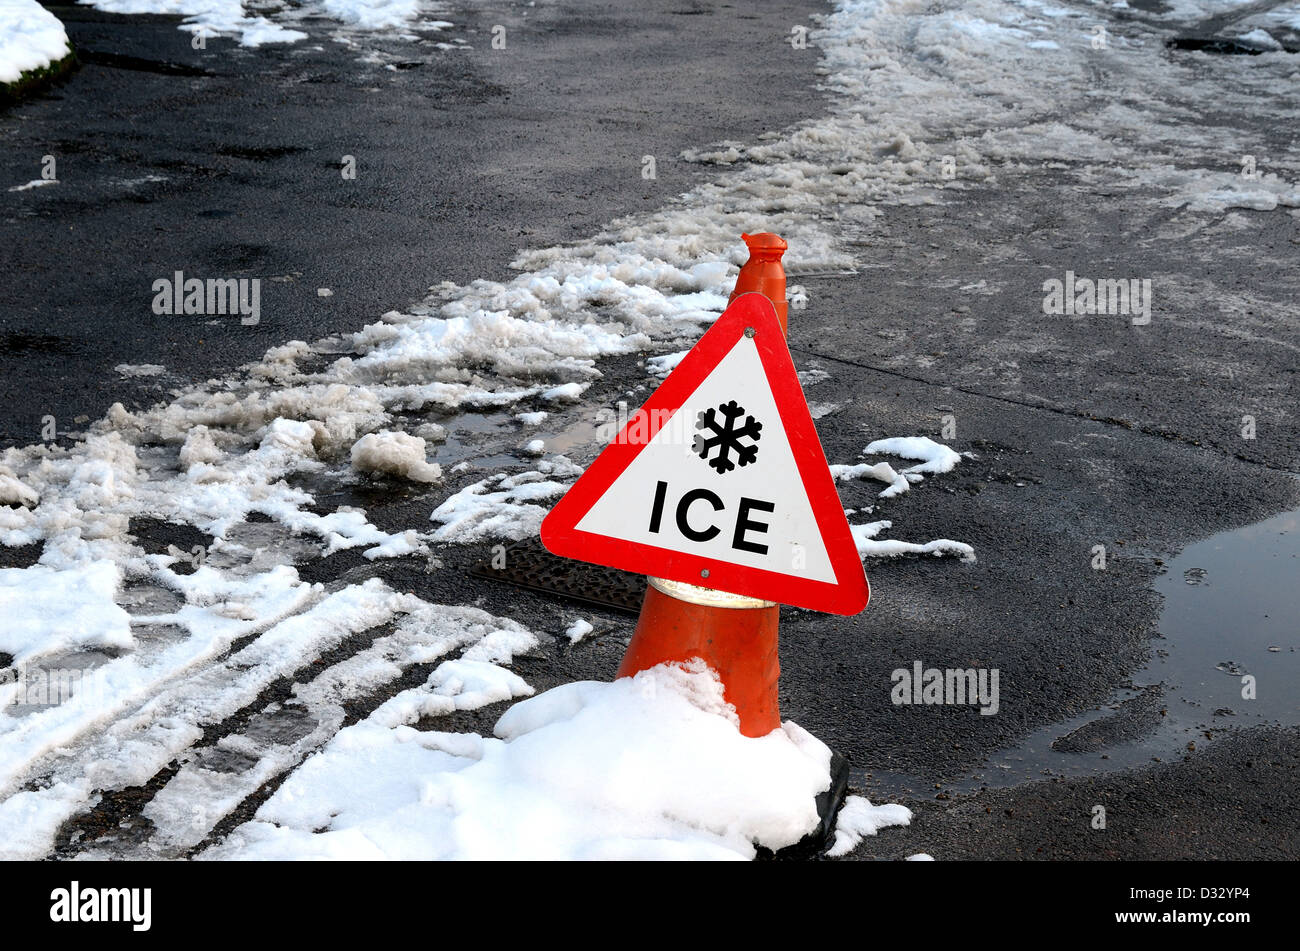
228 162
1084 432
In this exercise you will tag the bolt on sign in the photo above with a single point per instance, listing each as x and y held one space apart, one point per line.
719 480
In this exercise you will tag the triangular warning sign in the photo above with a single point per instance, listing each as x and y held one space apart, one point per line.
719 480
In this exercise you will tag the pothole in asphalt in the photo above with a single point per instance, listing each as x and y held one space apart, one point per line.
342 490
1230 659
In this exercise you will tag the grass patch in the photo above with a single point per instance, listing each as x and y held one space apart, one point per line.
36 79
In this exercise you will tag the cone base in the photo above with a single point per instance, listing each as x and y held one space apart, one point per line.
828 809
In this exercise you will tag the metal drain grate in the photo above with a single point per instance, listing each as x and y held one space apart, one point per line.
529 565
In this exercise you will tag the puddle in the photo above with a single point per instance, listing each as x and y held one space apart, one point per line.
275 726
37 343
136 63
580 434
484 440
31 688
1232 609
146 599
253 547
151 638
496 440
281 726
1230 628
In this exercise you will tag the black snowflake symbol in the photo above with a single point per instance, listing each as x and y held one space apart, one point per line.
727 437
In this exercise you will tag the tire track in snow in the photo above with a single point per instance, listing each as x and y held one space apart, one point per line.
123 684
134 748
194 801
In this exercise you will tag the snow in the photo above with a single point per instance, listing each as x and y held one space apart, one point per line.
47 611
231 18
881 472
397 546
934 456
1261 38
135 713
208 18
36 182
564 392
1284 17
1215 190
13 492
864 536
423 635
394 453
664 364
649 767
373 14
1192 10
858 818
30 38
578 630
724 153
503 506
140 369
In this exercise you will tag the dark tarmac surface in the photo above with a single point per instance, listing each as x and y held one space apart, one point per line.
463 157
1085 432
1088 431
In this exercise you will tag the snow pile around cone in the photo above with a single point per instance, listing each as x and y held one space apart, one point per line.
651 766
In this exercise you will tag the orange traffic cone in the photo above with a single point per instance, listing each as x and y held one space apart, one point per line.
763 272
733 634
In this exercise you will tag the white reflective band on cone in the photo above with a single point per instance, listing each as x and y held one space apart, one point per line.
708 597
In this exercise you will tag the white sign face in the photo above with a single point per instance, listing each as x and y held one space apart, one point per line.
720 480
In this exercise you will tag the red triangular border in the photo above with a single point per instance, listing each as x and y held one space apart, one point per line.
850 592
